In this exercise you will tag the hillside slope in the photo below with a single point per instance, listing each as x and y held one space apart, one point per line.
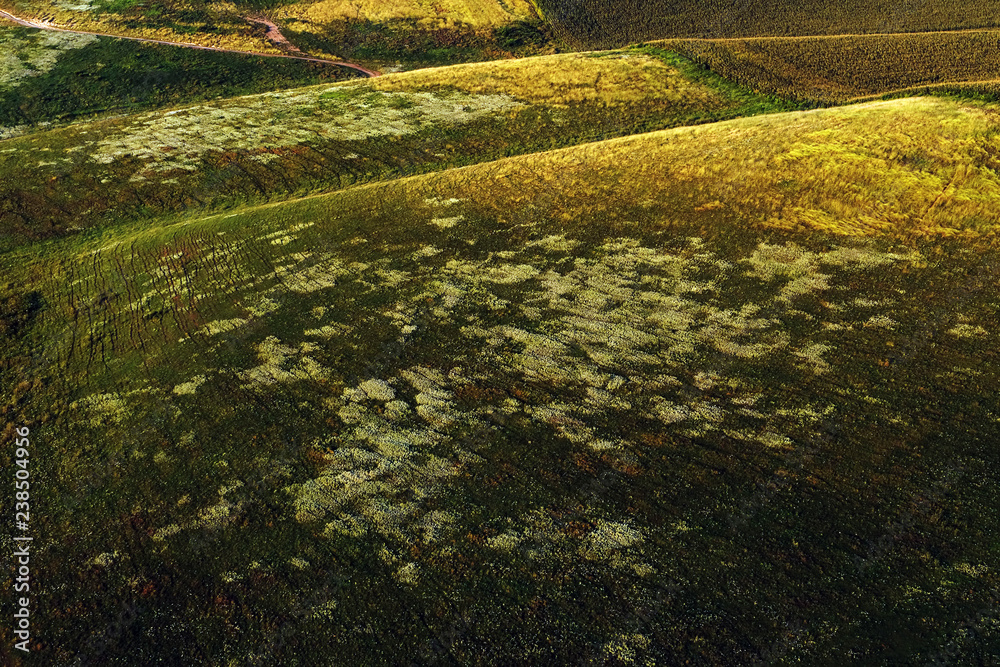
615 403
274 145
903 168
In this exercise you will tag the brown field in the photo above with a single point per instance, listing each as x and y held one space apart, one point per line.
597 24
844 68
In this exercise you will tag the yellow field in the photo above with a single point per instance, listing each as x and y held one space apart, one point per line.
613 78
839 69
428 13
910 167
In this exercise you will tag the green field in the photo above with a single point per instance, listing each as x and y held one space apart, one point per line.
676 353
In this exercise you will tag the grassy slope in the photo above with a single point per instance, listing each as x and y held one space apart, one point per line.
254 148
64 78
839 69
910 167
476 13
583 406
613 23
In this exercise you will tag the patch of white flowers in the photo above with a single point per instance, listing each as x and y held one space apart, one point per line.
34 54
265 124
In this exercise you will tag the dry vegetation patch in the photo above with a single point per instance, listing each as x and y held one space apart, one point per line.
179 139
34 53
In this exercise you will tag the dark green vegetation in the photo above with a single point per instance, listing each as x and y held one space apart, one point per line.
595 24
497 436
120 76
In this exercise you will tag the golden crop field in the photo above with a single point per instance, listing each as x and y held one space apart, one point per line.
842 68
438 14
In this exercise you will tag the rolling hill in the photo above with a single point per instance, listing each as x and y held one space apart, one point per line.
723 393
273 145
52 77
400 35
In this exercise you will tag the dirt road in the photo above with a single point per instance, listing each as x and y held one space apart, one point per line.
274 35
